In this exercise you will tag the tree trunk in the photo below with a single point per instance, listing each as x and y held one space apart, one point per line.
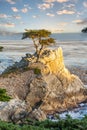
35 45
39 52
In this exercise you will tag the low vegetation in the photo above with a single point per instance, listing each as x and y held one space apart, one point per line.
3 95
37 71
64 124
1 48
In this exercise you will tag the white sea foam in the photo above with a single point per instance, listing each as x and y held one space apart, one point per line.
79 112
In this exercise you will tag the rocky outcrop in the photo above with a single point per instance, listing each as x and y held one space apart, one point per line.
16 84
48 86
59 89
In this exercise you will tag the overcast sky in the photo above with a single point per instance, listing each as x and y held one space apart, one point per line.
54 15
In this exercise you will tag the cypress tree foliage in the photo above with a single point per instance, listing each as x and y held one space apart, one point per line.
41 39
3 95
62 124
84 30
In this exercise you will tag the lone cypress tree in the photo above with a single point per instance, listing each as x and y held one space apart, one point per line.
41 39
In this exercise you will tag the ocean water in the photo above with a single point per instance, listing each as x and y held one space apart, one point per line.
74 47
68 37
60 37
75 113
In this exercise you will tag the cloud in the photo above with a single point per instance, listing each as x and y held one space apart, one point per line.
77 21
3 16
50 14
85 4
70 12
14 9
11 25
45 6
11 1
80 13
80 21
62 24
16 16
9 16
26 5
24 10
71 6
22 22
61 1
51 1
68 6
34 16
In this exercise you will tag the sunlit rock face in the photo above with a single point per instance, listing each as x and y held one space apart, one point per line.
53 59
56 88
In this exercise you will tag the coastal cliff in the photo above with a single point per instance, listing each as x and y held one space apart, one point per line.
46 86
